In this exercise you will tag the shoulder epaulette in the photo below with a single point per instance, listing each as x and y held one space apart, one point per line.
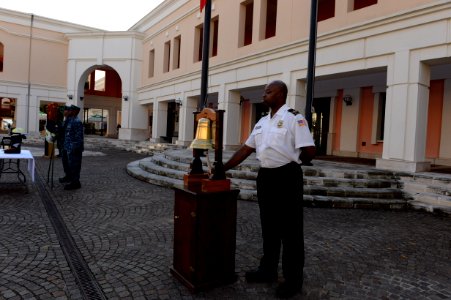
293 111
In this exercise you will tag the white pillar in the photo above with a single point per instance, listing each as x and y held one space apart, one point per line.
160 118
186 122
291 83
232 118
112 122
406 115
134 119
300 96
22 112
349 121
332 121
33 116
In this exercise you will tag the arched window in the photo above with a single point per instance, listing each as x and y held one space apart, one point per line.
1 57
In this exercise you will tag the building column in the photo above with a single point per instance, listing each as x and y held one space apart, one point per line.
408 82
291 83
160 119
186 122
332 133
112 122
300 96
33 115
232 118
134 119
21 112
111 128
350 123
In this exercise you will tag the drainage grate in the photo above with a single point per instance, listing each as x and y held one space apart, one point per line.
86 281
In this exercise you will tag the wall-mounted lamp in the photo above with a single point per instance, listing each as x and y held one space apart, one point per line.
178 101
70 96
125 98
81 98
347 99
242 99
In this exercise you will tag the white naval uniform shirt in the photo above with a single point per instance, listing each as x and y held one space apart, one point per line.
277 140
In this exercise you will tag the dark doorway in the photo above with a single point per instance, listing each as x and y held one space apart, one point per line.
261 110
320 124
172 122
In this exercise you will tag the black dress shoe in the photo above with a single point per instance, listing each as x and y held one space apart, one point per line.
259 276
288 289
72 186
64 179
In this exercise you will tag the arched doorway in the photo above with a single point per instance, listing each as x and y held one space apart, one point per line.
100 90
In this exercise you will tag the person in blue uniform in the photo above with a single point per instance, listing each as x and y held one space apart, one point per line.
73 147
282 142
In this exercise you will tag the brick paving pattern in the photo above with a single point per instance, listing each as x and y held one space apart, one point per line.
124 229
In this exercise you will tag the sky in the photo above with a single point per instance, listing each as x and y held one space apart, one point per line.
112 15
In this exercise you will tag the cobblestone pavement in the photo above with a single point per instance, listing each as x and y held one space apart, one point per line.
124 230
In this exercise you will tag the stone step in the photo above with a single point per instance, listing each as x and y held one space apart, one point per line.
148 165
249 168
429 178
160 165
326 169
351 202
414 187
185 156
346 182
350 192
163 161
319 168
353 188
149 147
184 165
433 199
151 166
134 170
430 207
328 183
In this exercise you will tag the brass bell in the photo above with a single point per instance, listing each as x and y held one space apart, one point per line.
203 135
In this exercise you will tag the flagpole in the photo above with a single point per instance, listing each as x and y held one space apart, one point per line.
196 165
205 56
311 61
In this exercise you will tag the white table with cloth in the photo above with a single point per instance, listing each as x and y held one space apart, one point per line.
10 163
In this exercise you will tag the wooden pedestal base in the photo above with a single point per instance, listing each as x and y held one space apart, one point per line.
201 183
204 238
193 182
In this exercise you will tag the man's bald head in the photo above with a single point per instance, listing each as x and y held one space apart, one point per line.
282 86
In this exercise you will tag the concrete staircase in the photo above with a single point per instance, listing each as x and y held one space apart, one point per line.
99 143
326 184
429 191
143 147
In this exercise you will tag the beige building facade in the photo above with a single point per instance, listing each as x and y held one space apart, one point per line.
383 71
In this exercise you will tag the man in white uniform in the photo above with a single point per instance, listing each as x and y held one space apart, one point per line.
282 141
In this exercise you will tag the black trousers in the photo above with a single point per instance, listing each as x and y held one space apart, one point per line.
280 192
72 165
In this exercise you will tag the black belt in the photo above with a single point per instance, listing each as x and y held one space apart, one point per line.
290 165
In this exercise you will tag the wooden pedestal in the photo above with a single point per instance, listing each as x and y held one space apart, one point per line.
204 238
